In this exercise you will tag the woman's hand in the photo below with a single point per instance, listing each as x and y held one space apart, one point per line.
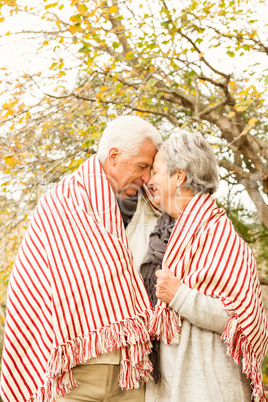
167 285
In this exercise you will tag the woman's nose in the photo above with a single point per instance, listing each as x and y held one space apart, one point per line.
150 182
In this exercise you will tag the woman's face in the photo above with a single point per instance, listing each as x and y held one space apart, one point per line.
163 185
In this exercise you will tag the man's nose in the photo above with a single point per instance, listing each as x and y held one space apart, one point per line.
146 175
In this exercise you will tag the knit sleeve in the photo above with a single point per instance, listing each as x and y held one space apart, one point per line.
202 311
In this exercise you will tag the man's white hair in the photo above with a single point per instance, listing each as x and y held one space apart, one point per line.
127 133
192 153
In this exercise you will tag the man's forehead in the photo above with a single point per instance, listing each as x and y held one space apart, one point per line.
146 160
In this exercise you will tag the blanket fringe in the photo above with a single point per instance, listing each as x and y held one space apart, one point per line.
131 335
238 344
53 388
130 376
165 325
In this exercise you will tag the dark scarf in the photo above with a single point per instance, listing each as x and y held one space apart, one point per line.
157 246
127 207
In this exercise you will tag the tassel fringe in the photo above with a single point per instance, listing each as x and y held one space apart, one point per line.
130 376
238 344
165 325
59 386
130 335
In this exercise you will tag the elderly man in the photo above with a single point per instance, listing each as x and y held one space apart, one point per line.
77 310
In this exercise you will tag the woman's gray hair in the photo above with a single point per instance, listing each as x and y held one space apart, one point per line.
127 133
190 152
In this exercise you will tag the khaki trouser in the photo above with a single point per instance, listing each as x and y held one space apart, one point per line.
99 382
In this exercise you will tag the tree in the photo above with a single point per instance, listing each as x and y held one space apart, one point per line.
155 58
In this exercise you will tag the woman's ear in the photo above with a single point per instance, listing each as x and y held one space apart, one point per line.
180 177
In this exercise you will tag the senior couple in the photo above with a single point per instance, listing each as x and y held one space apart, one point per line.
128 274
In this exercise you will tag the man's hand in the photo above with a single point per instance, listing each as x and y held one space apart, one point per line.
167 285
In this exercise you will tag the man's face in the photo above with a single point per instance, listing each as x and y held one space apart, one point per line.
127 174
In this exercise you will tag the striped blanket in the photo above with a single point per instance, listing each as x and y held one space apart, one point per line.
73 293
206 253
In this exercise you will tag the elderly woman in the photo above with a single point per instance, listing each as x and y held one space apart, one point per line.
209 316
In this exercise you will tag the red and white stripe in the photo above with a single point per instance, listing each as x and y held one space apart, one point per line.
73 293
206 253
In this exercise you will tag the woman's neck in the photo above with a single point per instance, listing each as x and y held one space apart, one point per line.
180 203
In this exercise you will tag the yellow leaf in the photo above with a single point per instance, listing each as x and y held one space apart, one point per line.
241 108
75 28
104 88
9 106
61 7
45 42
82 9
8 156
2 19
51 5
9 160
252 121
113 9
129 55
231 114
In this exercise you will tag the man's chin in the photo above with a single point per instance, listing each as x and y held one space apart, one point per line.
129 191
132 192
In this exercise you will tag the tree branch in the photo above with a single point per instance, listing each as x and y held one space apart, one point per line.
238 170
227 76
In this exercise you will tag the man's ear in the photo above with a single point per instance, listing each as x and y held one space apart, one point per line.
180 177
113 156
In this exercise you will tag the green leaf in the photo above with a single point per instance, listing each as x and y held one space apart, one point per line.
85 49
76 18
152 82
116 45
82 8
129 55
231 54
